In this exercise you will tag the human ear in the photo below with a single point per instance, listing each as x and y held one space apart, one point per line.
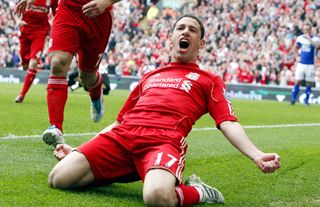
202 43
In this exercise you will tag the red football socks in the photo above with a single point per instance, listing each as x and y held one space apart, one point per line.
57 94
31 74
96 89
187 195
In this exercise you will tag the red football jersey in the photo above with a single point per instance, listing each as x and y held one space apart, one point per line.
37 16
174 97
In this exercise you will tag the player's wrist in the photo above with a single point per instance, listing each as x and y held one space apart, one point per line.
257 157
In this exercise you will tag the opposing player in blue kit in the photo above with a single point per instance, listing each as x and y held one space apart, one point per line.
306 47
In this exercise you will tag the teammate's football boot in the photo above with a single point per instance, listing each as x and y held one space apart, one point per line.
19 99
53 136
97 109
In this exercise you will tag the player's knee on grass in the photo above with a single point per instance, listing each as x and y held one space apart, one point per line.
58 179
72 172
159 188
160 196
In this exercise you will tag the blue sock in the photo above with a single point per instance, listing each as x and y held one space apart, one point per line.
295 92
308 92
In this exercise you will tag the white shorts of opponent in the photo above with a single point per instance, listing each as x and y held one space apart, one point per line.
305 72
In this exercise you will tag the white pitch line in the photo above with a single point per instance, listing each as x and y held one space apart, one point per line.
264 126
12 136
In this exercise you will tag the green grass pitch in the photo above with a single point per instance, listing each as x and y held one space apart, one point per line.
25 160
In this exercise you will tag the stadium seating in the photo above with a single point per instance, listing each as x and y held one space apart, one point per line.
250 42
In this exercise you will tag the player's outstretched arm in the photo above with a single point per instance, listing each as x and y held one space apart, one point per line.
97 7
22 6
234 132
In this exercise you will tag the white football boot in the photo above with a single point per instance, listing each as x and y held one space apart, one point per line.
210 194
53 136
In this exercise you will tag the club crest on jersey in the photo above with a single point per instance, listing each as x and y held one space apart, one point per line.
186 86
193 76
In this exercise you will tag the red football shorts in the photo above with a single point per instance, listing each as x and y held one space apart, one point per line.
75 33
31 46
128 150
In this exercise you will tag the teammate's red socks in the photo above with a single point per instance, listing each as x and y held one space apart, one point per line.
31 74
57 94
96 90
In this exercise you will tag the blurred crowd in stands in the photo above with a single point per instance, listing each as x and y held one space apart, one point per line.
247 41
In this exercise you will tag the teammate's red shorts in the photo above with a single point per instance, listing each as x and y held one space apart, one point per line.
75 33
31 46
128 150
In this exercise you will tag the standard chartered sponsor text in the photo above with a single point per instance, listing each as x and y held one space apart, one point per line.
163 83
165 80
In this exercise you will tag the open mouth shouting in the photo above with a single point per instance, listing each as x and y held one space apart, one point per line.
184 43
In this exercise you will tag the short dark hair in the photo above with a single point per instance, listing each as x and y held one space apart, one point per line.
193 17
308 24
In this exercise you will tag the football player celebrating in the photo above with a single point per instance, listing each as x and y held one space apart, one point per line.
148 139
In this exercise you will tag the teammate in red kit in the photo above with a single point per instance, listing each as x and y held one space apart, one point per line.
34 28
148 140
82 27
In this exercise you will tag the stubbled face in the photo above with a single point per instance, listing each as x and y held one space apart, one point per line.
307 29
186 41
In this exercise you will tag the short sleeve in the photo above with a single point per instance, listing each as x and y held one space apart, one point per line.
220 107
